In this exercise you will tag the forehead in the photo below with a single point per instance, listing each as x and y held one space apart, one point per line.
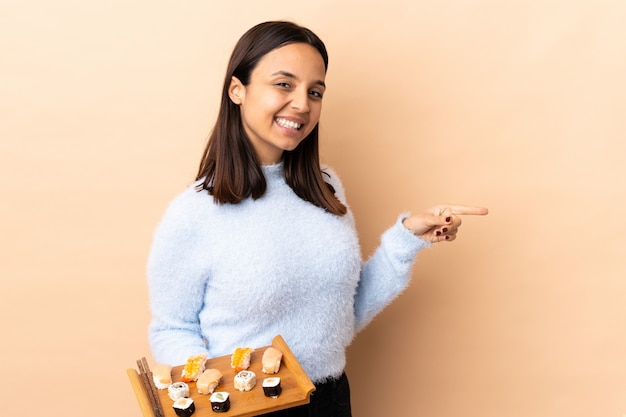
300 59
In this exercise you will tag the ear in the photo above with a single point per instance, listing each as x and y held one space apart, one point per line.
236 90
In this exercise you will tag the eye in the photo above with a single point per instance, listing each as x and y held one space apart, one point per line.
283 84
316 94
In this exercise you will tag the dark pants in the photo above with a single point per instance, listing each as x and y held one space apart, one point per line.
330 399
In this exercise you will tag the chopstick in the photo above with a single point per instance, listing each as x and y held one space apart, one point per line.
153 395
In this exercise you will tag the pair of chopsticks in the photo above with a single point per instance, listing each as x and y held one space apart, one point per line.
153 395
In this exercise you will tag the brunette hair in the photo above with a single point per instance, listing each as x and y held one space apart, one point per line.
229 168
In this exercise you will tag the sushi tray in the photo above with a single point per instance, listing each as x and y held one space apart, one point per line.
296 387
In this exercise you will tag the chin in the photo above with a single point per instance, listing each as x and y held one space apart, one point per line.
291 146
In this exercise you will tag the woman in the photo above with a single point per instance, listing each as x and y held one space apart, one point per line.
263 242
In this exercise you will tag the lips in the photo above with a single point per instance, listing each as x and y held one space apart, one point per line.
289 124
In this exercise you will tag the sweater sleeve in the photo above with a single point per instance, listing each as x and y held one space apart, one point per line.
387 272
176 286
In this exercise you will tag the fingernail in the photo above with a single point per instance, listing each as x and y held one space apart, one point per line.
438 233
447 237
448 219
445 230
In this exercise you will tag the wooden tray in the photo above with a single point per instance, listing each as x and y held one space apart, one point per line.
296 387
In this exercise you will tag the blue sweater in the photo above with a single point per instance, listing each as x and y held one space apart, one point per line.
223 276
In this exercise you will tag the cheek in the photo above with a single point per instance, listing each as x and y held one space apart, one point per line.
314 114
261 106
316 111
271 103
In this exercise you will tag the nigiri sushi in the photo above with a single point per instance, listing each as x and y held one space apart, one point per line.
208 381
193 367
271 360
162 376
240 359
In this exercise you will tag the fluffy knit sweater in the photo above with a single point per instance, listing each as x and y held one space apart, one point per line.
223 276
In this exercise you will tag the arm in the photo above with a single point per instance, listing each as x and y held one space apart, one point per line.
387 272
176 287
385 275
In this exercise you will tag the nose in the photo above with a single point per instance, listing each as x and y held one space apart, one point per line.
300 101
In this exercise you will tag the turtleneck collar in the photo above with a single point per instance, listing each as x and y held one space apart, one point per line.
273 170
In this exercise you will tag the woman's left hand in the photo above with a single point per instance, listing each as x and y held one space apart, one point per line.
440 223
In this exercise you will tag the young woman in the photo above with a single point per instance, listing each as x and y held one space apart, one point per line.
263 242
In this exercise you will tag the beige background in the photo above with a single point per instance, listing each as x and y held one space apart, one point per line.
515 105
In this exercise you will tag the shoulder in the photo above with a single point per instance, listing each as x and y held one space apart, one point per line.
186 207
331 177
189 199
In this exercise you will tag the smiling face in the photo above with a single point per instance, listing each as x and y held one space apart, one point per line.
282 103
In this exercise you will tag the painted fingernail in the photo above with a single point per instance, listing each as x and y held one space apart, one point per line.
447 237
445 230
449 219
438 233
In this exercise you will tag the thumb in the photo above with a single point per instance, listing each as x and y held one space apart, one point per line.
424 222
443 215
433 220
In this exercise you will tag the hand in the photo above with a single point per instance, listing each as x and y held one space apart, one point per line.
440 223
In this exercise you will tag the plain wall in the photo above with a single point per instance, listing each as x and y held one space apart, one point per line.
515 105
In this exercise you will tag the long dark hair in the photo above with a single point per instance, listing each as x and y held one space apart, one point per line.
229 167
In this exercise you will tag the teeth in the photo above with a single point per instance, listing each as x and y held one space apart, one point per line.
288 124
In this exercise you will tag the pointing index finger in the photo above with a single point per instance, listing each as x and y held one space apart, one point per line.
469 210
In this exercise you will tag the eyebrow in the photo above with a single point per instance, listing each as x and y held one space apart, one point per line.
290 75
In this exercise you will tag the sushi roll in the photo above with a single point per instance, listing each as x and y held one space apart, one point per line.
271 387
178 390
162 376
193 367
208 381
271 360
240 359
220 402
184 407
245 380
